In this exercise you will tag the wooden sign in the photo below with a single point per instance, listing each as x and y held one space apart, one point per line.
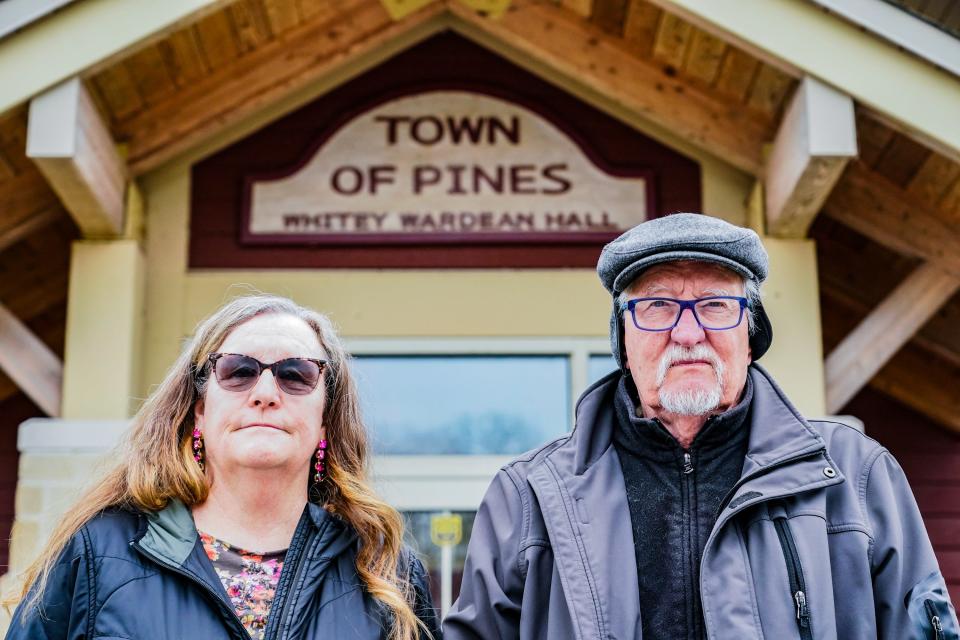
443 167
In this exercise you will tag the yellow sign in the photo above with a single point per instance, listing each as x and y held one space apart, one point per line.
446 530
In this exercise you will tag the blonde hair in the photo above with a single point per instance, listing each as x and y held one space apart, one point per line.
155 464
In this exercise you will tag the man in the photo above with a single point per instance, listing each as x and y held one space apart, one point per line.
692 500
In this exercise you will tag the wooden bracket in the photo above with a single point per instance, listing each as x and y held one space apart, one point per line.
852 364
72 146
30 363
815 141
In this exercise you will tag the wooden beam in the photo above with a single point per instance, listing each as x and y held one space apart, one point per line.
26 205
892 324
926 100
539 35
30 363
72 146
317 48
913 376
816 140
870 204
36 58
580 7
923 339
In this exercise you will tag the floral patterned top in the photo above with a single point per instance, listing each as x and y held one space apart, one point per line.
249 578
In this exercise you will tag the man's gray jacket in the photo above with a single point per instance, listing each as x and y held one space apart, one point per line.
821 538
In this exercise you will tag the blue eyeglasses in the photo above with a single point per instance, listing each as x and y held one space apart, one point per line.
715 313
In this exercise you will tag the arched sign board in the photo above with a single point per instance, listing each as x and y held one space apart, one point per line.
445 166
446 155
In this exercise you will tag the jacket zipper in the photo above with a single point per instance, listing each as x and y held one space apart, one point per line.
275 620
231 614
795 574
298 568
733 490
689 516
934 619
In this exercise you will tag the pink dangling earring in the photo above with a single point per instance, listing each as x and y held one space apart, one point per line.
320 466
198 447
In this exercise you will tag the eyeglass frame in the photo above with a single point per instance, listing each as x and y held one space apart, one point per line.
262 366
630 305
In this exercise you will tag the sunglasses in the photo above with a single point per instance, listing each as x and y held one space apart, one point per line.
296 376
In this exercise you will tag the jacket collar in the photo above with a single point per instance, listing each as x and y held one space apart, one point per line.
649 438
171 533
777 430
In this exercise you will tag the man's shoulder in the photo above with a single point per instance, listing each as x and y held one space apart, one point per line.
847 445
524 464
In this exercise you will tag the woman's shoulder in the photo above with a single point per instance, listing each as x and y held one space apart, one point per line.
109 532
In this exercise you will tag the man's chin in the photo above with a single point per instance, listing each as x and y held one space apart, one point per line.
690 400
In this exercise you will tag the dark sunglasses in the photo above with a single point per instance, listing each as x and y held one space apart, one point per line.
296 376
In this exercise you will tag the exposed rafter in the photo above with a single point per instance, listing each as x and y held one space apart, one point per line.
816 140
892 324
315 49
926 100
913 376
545 34
867 202
26 205
30 363
540 33
72 146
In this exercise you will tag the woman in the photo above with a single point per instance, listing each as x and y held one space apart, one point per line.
238 505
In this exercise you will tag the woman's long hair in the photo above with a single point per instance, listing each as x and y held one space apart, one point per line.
154 464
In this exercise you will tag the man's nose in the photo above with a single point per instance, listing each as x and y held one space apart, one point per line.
688 331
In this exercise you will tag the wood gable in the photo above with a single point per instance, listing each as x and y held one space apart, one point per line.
893 209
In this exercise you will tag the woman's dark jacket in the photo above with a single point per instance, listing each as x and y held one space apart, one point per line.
146 576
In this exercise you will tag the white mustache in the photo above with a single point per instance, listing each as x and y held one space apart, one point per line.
678 353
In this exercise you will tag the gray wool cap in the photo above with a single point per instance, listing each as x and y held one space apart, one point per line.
684 236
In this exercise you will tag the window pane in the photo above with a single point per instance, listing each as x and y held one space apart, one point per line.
599 366
428 405
417 534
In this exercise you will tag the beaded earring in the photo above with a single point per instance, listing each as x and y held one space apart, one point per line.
198 447
320 466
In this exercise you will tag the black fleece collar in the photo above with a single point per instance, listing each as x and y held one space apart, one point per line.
649 438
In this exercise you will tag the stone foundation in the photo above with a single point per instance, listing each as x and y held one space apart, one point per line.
58 460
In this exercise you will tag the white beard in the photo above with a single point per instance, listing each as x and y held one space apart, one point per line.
697 402
690 402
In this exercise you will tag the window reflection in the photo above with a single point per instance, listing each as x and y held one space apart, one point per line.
599 366
493 405
417 532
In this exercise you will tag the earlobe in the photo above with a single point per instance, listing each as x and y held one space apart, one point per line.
198 414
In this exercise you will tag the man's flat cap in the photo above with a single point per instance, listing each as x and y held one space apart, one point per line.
681 236
684 236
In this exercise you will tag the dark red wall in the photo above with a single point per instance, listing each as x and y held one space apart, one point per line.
930 456
13 411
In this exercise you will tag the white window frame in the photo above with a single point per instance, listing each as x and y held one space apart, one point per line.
458 482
